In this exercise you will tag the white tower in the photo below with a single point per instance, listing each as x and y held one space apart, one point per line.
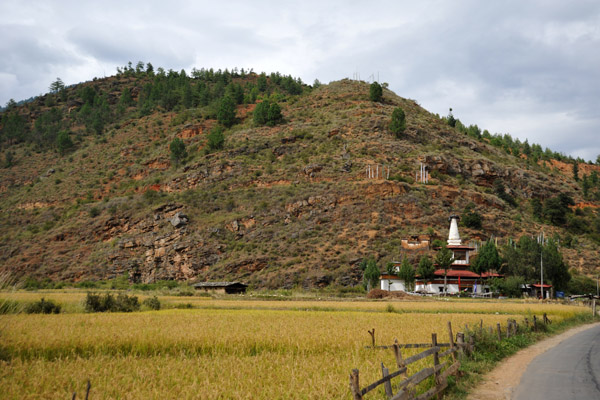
453 236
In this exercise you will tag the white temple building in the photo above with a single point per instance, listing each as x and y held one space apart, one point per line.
458 277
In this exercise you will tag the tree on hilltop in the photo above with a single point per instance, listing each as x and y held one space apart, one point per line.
375 92
57 86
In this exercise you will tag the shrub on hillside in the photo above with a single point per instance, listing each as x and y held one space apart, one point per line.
472 219
216 139
152 303
43 307
107 302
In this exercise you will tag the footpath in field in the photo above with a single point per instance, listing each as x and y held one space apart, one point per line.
500 383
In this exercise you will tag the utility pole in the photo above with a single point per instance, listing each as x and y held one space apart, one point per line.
541 241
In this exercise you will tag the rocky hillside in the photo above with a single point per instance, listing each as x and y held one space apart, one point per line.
277 206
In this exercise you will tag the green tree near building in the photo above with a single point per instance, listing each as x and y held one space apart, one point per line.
371 273
407 274
398 122
375 92
426 269
487 259
178 151
555 268
444 260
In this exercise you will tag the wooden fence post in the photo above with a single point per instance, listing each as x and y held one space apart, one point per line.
471 344
508 328
354 385
534 323
481 327
436 358
399 360
499 331
387 385
460 341
87 390
372 333
451 336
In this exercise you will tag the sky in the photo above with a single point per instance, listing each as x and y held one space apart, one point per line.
528 68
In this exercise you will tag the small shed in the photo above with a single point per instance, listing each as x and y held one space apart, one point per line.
221 287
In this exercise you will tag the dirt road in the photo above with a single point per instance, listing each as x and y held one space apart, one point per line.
502 381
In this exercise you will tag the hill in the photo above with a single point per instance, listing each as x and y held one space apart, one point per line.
90 188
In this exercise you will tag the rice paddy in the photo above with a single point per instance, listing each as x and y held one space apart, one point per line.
224 349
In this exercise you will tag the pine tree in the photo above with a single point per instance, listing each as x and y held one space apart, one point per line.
274 115
487 259
375 92
371 274
57 86
64 142
261 82
226 113
216 139
261 112
426 269
178 151
398 123
407 274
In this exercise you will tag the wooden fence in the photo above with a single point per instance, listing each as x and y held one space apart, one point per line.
406 388
464 344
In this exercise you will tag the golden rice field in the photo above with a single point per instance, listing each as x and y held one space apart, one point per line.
224 349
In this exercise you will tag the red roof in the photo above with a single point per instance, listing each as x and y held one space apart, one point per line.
455 273
538 285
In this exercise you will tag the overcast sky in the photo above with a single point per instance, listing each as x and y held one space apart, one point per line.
528 68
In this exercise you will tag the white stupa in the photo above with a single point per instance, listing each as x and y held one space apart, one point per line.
453 236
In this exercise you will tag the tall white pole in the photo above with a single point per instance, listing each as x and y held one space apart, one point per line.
542 263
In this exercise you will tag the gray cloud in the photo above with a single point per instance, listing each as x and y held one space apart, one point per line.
528 68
